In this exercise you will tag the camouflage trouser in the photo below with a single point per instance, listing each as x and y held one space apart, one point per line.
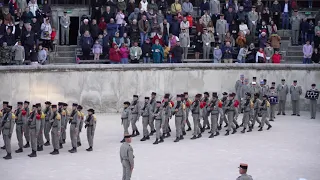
196 123
214 123
145 122
230 115
166 125
264 119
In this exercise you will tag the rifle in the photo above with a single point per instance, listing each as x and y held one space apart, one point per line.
224 99
195 104
145 105
247 102
262 105
88 121
17 113
177 107
212 104
230 102
5 119
31 117
71 116
157 111
54 117
133 104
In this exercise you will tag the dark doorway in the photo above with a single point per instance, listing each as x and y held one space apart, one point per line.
74 30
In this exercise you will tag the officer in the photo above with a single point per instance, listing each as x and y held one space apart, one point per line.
313 102
127 158
63 120
67 115
19 126
47 125
56 129
152 108
74 121
295 92
223 115
272 93
195 110
125 118
134 115
264 112
187 102
159 116
25 124
247 105
282 90
90 122
230 111
34 123
214 108
80 125
243 171
145 113
180 116
42 126
256 110
7 125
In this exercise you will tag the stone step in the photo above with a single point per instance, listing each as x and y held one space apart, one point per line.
293 59
62 60
295 53
65 54
66 48
294 48
284 33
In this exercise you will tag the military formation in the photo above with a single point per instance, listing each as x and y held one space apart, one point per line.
256 100
43 127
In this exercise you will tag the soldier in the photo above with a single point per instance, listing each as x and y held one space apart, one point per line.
206 124
126 158
152 108
168 114
214 108
223 115
266 85
180 116
64 127
34 123
63 120
272 94
295 92
187 102
42 127
247 105
56 129
263 89
74 120
134 115
80 125
238 87
196 114
90 122
25 124
47 125
230 111
125 119
19 126
7 126
159 115
3 111
254 88
145 113
243 171
273 84
264 112
313 102
255 111
282 91
244 89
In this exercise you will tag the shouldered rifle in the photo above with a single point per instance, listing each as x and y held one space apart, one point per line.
224 99
195 104
5 119
247 102
88 121
212 105
177 107
145 105
262 105
31 117
53 118
71 116
228 105
133 104
17 113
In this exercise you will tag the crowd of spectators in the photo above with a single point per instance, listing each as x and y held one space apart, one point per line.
26 35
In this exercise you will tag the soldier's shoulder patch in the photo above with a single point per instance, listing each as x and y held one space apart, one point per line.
82 114
43 115
268 104
1 114
58 117
94 118
13 116
63 113
170 105
79 113
183 106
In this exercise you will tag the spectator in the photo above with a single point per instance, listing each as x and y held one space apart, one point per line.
241 16
243 27
134 31
311 32
153 5
151 16
46 31
122 6
317 28
106 43
107 15
172 40
158 37
28 40
2 28
5 54
210 30
162 5
96 9
221 28
135 53
155 28
176 7
214 18
265 16
34 55
112 28
114 54
42 55
185 24
86 43
184 42
199 26
146 51
272 28
117 39
157 52
125 39
11 26
19 54
247 5
143 5
269 51
102 25
53 37
230 39
124 54
168 17
250 38
36 28
234 29
94 30
236 6
134 15
175 26
241 40
214 7
206 19
190 20
276 58
230 15
112 6
260 56
304 30
46 9
22 4
252 20
276 11
206 39
198 45
315 56
187 8
160 17
9 38
84 27
226 6
286 9
259 8
242 54
227 53
131 6
263 40
33 7
317 40
64 28
19 29
217 54
307 52
263 28
144 28
27 15
251 54
275 41
97 50
176 53
120 17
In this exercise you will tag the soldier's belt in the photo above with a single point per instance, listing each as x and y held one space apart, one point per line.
134 113
73 123
178 115
214 113
55 126
145 116
7 128
195 113
158 119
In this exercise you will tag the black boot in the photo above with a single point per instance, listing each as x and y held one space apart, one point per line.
169 128
147 138
137 133
54 152
60 146
3 147
226 125
184 133
20 150
219 127
202 130
156 142
211 136
278 113
208 127
189 128
73 150
8 156
260 129
78 144
241 125
152 132
217 134
194 137
89 149
181 137
244 130
26 145
161 140
177 139
271 120
250 129
47 143
227 134
40 148
143 139
199 135
122 141
63 141
168 135
284 114
234 131
133 134
33 154
269 126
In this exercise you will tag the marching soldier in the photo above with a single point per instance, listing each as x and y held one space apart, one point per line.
223 115
25 124
238 88
19 126
7 126
295 92
134 115
167 115
125 119
313 101
65 125
214 108
264 112
126 158
247 105
90 122
55 130
256 108
243 171
187 102
74 120
282 90
34 123
152 108
159 115
195 110
63 121
145 113
3 111
47 126
263 89
205 114
40 140
273 94
230 111
80 125
180 116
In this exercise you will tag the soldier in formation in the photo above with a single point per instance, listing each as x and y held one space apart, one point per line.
145 113
159 117
127 158
80 124
243 168
134 115
90 125
180 116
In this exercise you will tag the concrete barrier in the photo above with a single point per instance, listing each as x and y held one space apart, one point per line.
105 87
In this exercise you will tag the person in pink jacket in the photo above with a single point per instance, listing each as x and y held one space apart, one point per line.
124 52
97 50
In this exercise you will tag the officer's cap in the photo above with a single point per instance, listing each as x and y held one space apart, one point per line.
146 98
60 103
214 93
79 107
248 94
20 103
265 96
34 106
224 93
9 107
166 96
243 166
74 104
295 81
182 95
254 78
126 103
5 102
186 93
198 95
27 102
256 94
273 83
136 96
91 110
158 102
241 75
53 106
38 104
271 87
65 104
47 103
262 82
153 93
313 84
206 93
231 95
283 80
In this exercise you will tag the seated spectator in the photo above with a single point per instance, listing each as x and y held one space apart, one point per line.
269 51
176 7
134 15
241 40
5 54
275 41
263 40
263 28
251 54
217 54
114 54
46 31
84 27
230 39
100 40
42 55
260 56
135 53
276 58
143 5
106 43
9 38
243 27
102 24
227 53
144 28
206 19
157 52
307 52
198 44
272 28
146 51
187 8
19 54
134 31
155 27
315 56
86 43
27 16
124 54
96 50
108 15
153 5
117 39
234 29
158 37
242 54
176 53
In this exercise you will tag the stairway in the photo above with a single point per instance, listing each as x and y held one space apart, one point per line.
64 54
290 54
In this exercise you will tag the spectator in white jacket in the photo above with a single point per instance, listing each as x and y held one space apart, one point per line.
143 5
185 24
120 17
33 6
243 27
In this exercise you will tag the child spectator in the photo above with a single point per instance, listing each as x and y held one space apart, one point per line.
269 51
97 50
42 55
260 56
307 53
124 54
315 56
217 54
276 58
53 37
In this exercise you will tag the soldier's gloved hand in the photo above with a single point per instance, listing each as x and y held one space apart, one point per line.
10 135
85 126
58 133
69 122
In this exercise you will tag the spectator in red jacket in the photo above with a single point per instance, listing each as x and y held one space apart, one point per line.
102 24
158 37
53 37
114 54
276 58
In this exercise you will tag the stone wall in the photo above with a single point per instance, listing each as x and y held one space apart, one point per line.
105 87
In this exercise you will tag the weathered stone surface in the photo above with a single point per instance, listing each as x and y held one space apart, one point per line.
105 87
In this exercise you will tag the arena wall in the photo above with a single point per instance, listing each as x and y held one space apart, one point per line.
106 87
